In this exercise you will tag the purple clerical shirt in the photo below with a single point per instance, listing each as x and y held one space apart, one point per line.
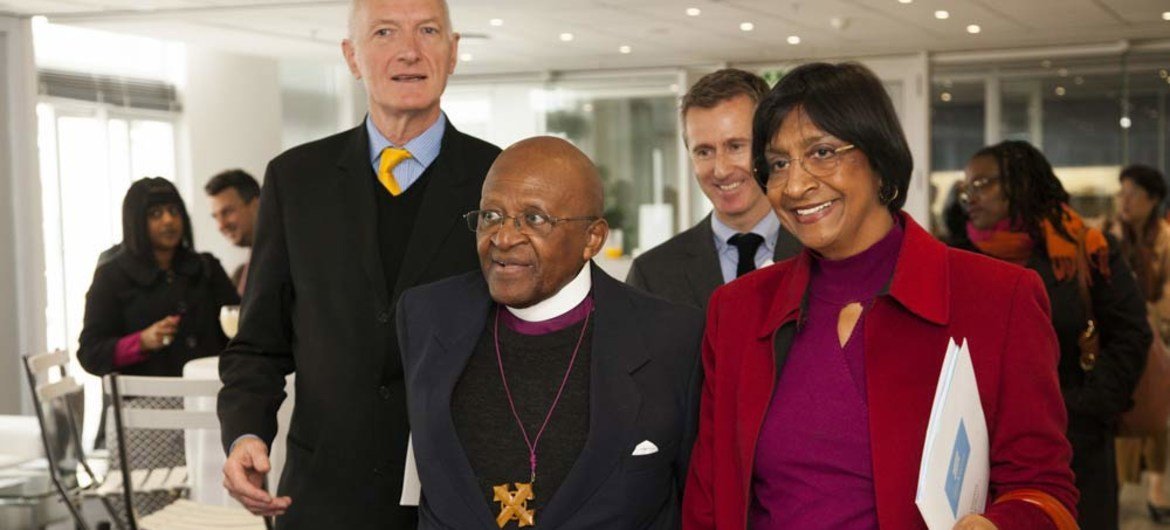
813 466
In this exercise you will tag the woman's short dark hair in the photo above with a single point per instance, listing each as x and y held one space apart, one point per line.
142 195
1033 191
1148 179
848 101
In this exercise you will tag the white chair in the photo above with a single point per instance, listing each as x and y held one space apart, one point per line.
53 403
181 514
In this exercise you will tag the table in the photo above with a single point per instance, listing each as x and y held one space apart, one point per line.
205 457
28 499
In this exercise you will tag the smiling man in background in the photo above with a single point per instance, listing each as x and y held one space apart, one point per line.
346 224
742 233
235 202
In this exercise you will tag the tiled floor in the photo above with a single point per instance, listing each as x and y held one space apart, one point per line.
1133 510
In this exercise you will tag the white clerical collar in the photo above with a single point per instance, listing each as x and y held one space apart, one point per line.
571 295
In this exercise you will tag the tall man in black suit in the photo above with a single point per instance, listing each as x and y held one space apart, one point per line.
742 233
346 224
540 389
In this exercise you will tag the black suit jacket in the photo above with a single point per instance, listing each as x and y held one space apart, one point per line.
645 386
685 269
318 304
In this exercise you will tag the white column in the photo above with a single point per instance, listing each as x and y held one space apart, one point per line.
992 109
22 283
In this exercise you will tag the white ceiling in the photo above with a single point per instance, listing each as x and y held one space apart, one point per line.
659 32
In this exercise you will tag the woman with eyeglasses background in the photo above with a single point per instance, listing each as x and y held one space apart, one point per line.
1019 212
1145 244
820 371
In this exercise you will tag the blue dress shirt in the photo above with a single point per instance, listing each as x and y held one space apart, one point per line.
424 148
768 227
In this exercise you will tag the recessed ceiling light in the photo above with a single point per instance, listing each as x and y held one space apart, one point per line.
694 11
747 26
674 87
1163 73
625 49
945 96
906 1
566 37
1166 15
40 19
793 39
466 57
1046 63
942 14
497 22
588 107
1126 122
974 29
1078 80
1059 91
1063 72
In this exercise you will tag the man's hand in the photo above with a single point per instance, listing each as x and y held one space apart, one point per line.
975 522
160 334
243 477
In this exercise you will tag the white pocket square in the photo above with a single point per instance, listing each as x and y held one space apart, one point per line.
645 448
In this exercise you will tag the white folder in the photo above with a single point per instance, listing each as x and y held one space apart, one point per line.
954 474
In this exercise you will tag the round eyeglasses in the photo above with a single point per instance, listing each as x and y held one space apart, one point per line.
820 160
528 223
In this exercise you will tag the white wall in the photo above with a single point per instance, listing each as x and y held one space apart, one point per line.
231 118
22 315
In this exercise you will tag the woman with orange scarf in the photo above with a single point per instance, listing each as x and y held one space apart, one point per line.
1018 212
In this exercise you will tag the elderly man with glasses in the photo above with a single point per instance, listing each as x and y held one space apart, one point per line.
541 390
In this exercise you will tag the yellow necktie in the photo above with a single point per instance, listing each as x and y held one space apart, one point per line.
391 157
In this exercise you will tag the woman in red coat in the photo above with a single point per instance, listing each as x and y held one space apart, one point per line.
821 370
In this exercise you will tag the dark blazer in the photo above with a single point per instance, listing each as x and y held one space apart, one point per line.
685 269
318 303
129 294
935 294
645 383
1096 399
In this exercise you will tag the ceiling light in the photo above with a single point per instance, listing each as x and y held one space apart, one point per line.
945 96
625 49
1059 91
1046 63
40 19
588 107
1078 80
497 22
747 26
974 29
1166 15
793 40
1126 122
942 14
906 1
1163 73
1063 72
674 88
694 11
566 37
466 57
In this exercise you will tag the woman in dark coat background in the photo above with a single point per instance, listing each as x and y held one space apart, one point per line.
1018 211
154 305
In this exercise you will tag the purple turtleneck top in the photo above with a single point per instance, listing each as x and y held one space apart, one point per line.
813 466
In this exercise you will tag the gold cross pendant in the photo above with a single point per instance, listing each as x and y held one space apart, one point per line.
514 505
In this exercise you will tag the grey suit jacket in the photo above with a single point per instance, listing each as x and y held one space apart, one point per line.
685 269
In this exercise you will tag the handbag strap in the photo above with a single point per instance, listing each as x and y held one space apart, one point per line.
1051 507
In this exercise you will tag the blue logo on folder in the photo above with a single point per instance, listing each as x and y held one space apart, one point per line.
958 468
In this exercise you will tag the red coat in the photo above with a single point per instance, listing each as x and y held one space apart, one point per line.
936 293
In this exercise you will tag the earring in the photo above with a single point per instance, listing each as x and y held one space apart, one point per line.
890 200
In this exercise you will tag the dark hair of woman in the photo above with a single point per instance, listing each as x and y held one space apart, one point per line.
1137 245
144 194
1033 191
849 102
